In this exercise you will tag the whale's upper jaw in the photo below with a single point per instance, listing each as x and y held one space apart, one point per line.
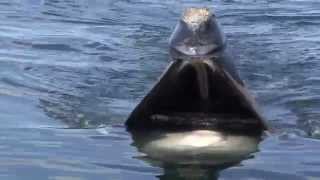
196 34
196 17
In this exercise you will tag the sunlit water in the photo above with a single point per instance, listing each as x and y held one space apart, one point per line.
72 70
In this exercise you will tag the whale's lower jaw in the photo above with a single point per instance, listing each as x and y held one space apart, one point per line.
197 95
196 147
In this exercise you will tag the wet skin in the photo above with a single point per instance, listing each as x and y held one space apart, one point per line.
201 88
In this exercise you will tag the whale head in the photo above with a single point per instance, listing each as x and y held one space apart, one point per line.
201 87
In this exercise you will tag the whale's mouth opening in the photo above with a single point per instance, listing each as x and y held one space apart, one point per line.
198 95
204 97
203 89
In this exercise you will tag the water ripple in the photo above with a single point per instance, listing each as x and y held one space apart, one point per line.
86 64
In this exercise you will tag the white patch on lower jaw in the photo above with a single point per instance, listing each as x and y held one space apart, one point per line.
201 138
200 146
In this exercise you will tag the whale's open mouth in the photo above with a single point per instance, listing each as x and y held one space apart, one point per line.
198 94
201 88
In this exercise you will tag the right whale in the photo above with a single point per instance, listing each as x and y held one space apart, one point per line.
201 88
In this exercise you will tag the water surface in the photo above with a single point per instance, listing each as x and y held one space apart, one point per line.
72 70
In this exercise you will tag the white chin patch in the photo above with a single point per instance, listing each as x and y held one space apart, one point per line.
200 146
200 138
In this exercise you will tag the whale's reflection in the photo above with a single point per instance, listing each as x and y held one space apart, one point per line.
197 154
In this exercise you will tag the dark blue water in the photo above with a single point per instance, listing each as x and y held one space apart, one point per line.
72 70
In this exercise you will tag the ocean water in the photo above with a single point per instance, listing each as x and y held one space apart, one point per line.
72 70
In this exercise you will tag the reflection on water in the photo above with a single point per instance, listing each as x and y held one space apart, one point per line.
177 171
